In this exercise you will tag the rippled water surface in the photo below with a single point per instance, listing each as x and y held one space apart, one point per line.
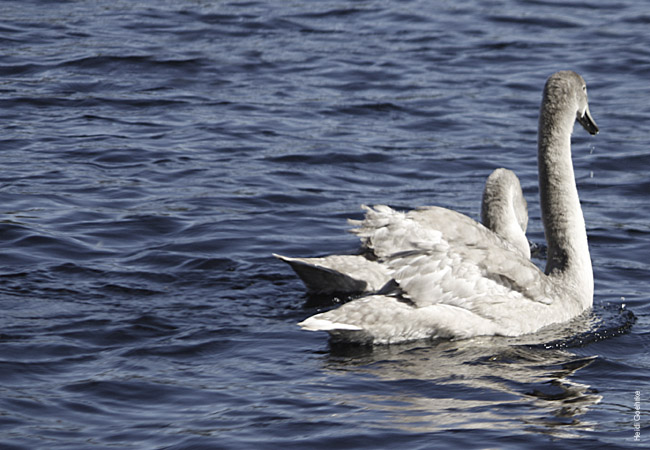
154 154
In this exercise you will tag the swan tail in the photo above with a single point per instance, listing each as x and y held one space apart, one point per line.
316 324
320 279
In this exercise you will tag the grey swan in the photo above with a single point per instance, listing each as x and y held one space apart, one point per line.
482 286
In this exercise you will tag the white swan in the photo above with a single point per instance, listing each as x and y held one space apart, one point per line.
452 290
503 210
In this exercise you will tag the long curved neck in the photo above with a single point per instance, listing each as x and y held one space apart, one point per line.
498 214
564 224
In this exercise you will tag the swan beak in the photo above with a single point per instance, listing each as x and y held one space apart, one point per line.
588 122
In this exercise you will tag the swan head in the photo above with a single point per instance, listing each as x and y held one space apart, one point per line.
583 116
569 86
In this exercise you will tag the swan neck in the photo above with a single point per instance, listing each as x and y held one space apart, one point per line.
499 214
564 225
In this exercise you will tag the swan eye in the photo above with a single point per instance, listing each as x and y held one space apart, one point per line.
584 88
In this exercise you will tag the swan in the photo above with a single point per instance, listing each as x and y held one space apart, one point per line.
503 210
446 289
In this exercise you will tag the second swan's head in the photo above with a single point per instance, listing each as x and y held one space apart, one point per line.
569 86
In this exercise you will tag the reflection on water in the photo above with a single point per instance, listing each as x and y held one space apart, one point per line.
476 385
488 382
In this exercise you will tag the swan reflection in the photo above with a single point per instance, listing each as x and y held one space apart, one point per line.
527 382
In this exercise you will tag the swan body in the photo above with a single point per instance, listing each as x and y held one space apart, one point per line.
480 285
385 232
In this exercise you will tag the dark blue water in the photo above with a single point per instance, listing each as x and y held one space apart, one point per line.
154 154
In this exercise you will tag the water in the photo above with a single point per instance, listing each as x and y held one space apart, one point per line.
154 154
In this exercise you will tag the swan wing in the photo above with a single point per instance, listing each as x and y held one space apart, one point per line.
469 276
385 231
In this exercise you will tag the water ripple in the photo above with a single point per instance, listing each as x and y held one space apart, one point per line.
155 154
